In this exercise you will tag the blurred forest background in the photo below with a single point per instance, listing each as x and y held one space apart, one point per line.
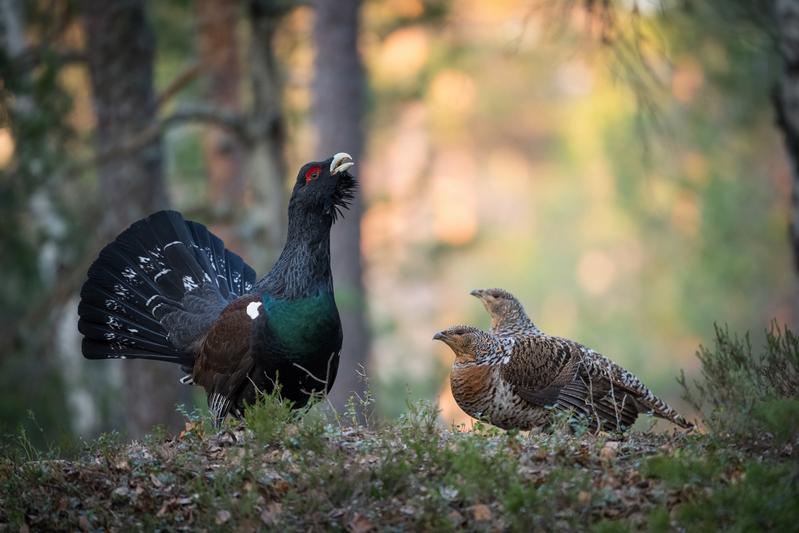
619 166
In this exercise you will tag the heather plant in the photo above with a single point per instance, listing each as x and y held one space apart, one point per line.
742 392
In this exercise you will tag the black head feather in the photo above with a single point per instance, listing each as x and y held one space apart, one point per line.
321 189
343 194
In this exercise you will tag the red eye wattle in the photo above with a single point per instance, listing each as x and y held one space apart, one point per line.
312 173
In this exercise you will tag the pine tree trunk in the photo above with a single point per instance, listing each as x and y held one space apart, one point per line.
787 104
224 153
266 160
120 52
218 47
338 114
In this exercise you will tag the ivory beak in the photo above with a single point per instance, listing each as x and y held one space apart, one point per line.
341 162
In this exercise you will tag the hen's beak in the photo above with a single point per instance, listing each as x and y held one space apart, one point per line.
477 293
440 336
341 162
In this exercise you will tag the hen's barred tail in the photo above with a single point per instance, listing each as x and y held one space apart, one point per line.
601 365
154 290
663 410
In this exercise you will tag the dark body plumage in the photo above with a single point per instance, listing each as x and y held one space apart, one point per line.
514 380
167 289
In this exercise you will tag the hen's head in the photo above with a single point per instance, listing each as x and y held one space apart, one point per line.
467 342
324 187
500 304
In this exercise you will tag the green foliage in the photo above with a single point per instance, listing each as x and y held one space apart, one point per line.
728 495
745 394
659 521
269 417
292 471
107 445
764 499
679 471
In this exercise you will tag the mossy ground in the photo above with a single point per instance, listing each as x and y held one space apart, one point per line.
290 471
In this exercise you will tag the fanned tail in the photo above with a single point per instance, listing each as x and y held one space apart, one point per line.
153 292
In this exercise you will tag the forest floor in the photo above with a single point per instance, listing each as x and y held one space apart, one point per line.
278 471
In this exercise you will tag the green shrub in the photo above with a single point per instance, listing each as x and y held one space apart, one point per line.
742 393
269 417
764 499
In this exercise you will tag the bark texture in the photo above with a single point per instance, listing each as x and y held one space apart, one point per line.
120 53
787 103
266 160
338 91
217 24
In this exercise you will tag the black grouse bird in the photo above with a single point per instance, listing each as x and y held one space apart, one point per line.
167 289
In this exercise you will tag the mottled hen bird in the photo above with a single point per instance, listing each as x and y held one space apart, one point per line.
508 316
514 381
167 289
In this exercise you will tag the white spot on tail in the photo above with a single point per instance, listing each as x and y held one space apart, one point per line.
171 243
189 284
252 309
128 273
121 290
164 271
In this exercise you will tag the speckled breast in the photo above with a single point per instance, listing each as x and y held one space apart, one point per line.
482 393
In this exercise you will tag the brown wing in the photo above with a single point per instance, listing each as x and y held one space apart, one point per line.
551 372
540 367
224 360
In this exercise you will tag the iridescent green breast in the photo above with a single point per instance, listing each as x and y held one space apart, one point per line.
304 326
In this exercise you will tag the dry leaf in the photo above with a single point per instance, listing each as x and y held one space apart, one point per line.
83 523
609 451
480 512
360 524
280 486
270 514
222 517
584 497
455 517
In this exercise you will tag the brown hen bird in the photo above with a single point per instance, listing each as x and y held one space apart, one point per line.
516 381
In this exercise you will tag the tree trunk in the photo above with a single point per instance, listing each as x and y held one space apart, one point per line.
338 113
266 160
220 64
120 52
787 104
